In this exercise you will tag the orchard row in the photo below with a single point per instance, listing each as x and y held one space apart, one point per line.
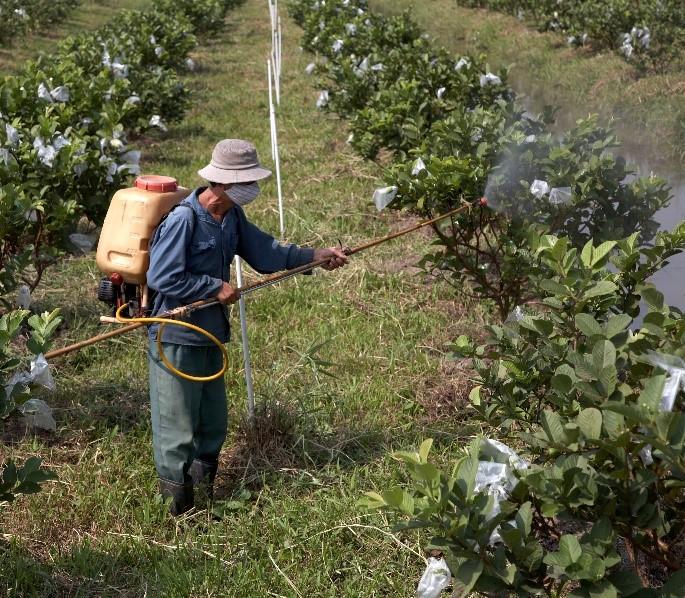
564 252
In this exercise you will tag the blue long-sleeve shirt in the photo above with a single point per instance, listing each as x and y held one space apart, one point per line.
190 258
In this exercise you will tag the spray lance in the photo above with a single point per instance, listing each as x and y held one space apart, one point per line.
173 316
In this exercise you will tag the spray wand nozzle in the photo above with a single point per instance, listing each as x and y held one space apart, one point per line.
483 202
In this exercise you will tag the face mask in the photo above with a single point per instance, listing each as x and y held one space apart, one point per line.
243 193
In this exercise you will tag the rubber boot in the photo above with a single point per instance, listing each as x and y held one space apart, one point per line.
181 496
203 474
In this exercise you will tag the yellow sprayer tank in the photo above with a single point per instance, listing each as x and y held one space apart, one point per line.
131 219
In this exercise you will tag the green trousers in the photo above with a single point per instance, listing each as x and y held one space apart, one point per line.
189 419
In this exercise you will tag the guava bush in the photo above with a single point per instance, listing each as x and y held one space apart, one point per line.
19 17
454 132
536 182
24 479
649 33
588 396
593 402
66 119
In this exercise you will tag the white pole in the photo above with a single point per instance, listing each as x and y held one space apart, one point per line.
274 65
272 114
246 344
272 119
271 14
280 49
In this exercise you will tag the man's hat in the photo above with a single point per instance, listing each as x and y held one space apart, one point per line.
234 161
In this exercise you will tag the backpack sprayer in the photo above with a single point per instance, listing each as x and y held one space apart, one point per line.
123 256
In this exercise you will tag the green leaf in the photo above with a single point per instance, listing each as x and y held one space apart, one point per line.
588 325
569 545
553 287
562 383
650 397
603 589
474 395
586 254
617 324
631 412
424 449
626 582
603 355
466 472
569 552
373 500
426 472
393 497
524 518
602 251
653 298
613 423
551 424
466 576
603 287
590 423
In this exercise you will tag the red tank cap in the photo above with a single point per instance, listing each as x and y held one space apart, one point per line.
155 182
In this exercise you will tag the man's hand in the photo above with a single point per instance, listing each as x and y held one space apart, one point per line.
227 294
337 257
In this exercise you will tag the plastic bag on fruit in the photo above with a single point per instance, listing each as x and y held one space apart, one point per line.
489 79
119 70
38 414
383 196
462 63
39 374
46 152
435 579
44 94
539 188
418 166
322 100
560 196
24 297
675 368
496 476
156 121
60 94
13 137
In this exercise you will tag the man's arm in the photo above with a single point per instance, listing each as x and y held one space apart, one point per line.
264 253
167 272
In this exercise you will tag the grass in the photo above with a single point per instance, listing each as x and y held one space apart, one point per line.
88 16
291 526
649 110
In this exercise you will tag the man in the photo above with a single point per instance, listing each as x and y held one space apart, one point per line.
190 259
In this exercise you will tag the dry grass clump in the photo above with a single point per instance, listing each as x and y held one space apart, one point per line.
272 441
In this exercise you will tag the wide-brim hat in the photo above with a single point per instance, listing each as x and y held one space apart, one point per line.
234 161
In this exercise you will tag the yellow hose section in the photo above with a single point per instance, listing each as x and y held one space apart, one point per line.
164 322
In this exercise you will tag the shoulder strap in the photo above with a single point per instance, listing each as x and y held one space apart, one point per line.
178 205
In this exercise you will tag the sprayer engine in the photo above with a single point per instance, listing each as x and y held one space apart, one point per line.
115 292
